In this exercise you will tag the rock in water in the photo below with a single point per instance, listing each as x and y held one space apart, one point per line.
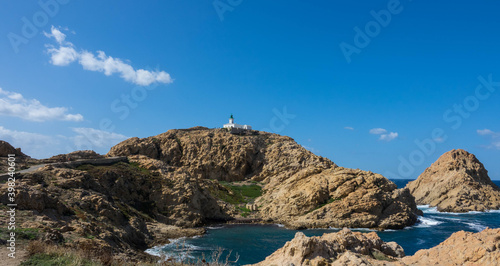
456 182
461 248
342 248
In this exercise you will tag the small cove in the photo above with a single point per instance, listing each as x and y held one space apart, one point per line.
254 242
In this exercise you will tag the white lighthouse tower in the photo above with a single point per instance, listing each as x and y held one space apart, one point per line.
231 124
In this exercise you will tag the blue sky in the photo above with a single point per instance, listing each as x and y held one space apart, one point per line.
385 86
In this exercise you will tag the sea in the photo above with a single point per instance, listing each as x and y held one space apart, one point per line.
252 243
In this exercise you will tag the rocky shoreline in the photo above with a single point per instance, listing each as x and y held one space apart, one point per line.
173 184
353 248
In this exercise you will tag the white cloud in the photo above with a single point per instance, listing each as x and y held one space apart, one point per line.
62 56
32 144
389 137
14 104
439 140
383 134
349 128
89 138
43 146
56 34
66 54
495 138
484 132
377 131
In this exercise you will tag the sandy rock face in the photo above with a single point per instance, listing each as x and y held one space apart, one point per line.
339 197
456 182
461 248
342 248
215 154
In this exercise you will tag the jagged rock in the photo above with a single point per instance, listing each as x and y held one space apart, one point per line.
341 248
339 197
456 182
6 149
462 248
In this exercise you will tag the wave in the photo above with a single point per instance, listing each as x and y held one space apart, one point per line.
429 209
427 222
476 226
214 227
177 249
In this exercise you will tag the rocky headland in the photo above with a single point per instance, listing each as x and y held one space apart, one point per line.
456 182
299 189
174 183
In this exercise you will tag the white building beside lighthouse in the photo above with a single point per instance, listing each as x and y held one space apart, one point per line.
231 124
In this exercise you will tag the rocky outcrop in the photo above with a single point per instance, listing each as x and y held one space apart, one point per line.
339 197
6 149
124 206
456 182
461 248
353 248
74 156
215 154
301 190
342 248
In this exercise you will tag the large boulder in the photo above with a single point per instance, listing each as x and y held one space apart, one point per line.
456 182
342 248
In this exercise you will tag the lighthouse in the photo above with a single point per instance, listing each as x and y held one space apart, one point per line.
232 125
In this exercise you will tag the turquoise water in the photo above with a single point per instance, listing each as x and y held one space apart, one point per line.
254 243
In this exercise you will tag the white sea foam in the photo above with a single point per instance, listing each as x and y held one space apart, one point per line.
476 226
280 225
214 227
451 219
429 209
427 222
177 249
